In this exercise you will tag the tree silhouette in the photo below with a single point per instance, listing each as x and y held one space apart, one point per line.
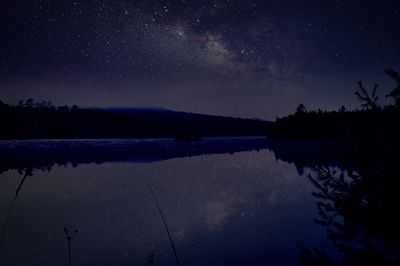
3 105
395 93
29 103
369 101
20 104
300 109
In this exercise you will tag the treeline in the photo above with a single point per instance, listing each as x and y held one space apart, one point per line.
337 125
42 120
371 121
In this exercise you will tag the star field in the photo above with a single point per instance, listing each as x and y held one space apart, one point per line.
236 58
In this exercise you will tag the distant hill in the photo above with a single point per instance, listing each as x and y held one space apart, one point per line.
34 121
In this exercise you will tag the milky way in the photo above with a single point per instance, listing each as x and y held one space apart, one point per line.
237 58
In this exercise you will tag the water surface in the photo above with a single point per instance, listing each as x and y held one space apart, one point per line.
226 202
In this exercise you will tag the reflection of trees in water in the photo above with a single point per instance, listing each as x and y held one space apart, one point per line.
45 154
359 207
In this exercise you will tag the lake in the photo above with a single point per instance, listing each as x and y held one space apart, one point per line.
226 201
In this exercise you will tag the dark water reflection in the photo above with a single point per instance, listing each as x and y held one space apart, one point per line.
226 201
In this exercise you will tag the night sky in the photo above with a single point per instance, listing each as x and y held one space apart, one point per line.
237 58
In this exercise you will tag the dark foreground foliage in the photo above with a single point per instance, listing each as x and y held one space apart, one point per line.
358 206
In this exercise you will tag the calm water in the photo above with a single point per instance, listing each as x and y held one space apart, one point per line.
226 202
